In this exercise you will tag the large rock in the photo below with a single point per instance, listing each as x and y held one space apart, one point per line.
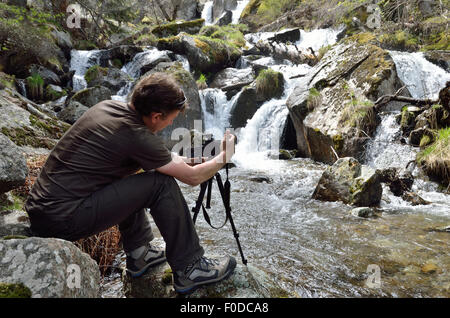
221 6
350 182
440 58
92 95
245 282
232 78
111 78
204 54
13 166
72 112
244 107
50 268
332 108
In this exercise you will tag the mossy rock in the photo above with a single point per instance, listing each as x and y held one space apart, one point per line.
14 291
269 84
173 28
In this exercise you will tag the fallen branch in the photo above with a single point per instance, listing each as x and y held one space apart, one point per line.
385 99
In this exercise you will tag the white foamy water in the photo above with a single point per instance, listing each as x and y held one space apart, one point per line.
80 62
241 4
422 78
208 12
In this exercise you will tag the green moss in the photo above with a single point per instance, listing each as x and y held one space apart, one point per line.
14 237
232 34
14 291
361 38
425 141
269 84
52 94
338 142
17 204
94 72
167 277
27 137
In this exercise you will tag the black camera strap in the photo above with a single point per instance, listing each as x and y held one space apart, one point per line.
225 194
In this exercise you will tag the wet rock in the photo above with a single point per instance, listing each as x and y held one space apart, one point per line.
92 95
440 58
246 281
416 136
174 28
46 74
13 167
244 108
398 180
225 19
332 106
414 198
288 35
221 6
49 268
14 222
363 212
232 78
260 179
350 182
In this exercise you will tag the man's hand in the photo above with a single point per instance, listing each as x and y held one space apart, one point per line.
227 145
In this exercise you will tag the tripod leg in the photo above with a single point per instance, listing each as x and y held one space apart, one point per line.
226 201
199 201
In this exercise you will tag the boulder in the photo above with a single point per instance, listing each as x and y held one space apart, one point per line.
332 107
244 107
232 78
350 182
13 166
13 223
174 28
246 281
92 95
72 112
205 55
111 78
362 212
47 75
49 268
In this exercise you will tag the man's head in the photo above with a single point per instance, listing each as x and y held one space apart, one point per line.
158 99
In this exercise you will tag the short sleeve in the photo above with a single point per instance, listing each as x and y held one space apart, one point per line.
149 150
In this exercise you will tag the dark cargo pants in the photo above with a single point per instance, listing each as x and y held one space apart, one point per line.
123 202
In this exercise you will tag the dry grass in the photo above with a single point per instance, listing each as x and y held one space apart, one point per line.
102 247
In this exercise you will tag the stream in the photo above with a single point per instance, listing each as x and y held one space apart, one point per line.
314 248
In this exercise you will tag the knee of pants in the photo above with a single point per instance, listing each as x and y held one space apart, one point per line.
166 179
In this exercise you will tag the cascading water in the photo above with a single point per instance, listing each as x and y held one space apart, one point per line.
241 4
80 62
207 12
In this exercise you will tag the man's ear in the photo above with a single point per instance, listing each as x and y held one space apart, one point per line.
155 116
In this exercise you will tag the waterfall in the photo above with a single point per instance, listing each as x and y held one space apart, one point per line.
208 12
241 4
422 78
80 62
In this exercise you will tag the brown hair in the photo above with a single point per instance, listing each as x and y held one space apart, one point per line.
158 93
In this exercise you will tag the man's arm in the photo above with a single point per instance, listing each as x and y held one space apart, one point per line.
195 175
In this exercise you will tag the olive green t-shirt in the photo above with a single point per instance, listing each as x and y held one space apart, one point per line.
109 142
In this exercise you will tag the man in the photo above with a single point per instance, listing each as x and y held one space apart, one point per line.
89 183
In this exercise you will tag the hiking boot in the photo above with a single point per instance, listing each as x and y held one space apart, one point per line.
202 272
149 257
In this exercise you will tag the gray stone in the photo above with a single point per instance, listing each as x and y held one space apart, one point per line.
289 35
49 267
244 108
350 182
92 95
13 166
72 112
232 77
14 222
114 79
363 212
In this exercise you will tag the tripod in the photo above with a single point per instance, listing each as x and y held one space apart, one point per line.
225 194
